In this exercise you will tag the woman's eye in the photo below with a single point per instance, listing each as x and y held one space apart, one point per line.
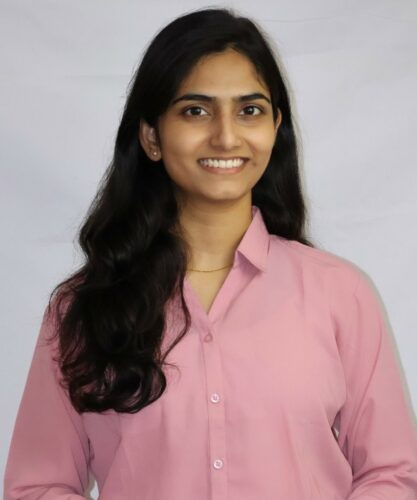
253 108
193 108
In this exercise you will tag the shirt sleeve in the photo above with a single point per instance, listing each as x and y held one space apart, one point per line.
49 450
377 432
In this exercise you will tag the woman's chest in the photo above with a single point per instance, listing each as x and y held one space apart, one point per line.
206 286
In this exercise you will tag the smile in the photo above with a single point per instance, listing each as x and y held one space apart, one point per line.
222 163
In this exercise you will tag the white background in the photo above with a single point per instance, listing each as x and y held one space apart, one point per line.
64 70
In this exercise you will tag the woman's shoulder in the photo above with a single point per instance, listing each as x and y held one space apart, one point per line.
324 276
316 263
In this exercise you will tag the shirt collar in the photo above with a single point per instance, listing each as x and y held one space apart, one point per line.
254 245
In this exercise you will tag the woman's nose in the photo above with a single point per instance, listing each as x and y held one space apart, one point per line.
225 132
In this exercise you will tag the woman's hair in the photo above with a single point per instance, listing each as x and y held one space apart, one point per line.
111 323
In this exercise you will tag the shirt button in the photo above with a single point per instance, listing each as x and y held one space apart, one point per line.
215 398
218 464
208 337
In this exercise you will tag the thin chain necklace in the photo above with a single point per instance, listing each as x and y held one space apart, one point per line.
211 271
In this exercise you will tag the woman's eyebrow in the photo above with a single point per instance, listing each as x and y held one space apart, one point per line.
207 98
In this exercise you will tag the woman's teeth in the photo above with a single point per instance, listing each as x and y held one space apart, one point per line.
222 163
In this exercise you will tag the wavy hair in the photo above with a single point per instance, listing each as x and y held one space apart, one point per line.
111 311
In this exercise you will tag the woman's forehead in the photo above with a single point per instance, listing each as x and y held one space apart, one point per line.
223 76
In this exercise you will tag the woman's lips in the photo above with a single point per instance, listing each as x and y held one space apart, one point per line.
224 170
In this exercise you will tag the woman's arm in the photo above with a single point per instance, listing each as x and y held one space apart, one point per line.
377 433
49 450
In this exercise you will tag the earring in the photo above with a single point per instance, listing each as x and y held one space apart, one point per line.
154 153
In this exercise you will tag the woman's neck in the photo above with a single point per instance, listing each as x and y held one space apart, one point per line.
213 233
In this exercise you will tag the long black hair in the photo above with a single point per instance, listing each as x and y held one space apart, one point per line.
111 312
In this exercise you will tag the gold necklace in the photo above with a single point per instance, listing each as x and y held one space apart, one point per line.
211 271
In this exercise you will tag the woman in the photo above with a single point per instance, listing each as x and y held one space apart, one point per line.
282 382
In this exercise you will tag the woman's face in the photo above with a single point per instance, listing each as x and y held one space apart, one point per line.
207 121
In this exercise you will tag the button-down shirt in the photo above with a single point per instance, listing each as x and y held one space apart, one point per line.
288 388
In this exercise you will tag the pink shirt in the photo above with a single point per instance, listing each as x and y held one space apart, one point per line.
288 389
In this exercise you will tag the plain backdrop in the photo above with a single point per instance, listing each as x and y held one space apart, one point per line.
64 70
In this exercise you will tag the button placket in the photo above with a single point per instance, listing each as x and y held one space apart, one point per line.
216 414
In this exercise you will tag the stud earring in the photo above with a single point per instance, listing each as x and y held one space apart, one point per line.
154 153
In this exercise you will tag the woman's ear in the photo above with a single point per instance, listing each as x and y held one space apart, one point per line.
278 120
148 140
